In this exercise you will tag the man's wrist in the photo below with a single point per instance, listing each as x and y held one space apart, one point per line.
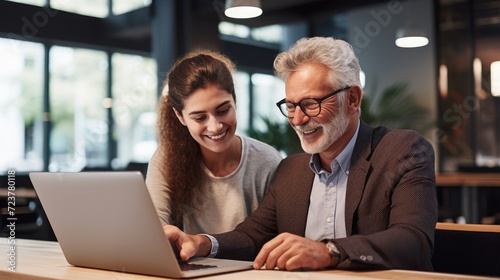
334 253
209 247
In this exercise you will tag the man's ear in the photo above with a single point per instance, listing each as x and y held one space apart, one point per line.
179 117
354 99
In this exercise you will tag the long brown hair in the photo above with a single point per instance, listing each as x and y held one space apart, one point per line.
181 164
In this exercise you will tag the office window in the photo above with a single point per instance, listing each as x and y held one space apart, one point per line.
258 116
134 108
232 29
124 6
253 109
21 88
267 90
241 87
94 8
269 34
78 79
40 3
267 122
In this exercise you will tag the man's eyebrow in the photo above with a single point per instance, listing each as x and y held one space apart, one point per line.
202 112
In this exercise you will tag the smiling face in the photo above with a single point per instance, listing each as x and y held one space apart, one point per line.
210 116
327 130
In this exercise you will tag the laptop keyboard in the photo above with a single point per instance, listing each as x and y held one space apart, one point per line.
185 266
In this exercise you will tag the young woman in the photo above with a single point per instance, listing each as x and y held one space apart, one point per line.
203 177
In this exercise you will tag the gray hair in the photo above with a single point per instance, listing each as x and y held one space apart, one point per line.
337 55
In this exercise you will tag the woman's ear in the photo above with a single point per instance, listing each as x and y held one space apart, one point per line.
354 99
179 117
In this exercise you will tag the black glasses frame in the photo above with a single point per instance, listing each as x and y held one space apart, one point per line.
318 100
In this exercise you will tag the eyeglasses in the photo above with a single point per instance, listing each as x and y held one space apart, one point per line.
310 106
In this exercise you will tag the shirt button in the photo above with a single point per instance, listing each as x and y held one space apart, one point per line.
362 257
329 220
369 258
330 185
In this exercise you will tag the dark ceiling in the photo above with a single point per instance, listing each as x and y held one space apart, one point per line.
282 11
133 30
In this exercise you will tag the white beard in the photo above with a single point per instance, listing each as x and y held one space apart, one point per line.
332 130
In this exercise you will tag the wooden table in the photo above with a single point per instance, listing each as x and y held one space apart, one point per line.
468 179
468 227
468 184
19 192
35 260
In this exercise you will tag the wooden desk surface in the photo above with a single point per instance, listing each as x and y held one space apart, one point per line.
20 192
468 227
36 260
468 179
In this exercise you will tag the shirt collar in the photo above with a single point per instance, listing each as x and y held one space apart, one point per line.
344 158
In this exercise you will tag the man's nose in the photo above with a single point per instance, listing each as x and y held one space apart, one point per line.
299 117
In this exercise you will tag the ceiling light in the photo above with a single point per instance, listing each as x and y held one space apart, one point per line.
410 35
411 38
243 8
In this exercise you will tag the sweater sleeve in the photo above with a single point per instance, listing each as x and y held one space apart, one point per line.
158 189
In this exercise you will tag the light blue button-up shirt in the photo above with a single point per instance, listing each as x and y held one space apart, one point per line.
326 216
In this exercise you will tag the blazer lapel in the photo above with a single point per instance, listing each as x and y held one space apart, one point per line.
358 172
301 201
293 194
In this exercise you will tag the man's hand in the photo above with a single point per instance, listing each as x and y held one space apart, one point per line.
290 252
188 245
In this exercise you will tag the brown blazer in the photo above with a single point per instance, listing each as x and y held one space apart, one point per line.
391 204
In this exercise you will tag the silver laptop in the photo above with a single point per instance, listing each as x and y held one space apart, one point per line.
107 220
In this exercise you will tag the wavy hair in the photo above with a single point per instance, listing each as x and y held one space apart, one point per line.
181 165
